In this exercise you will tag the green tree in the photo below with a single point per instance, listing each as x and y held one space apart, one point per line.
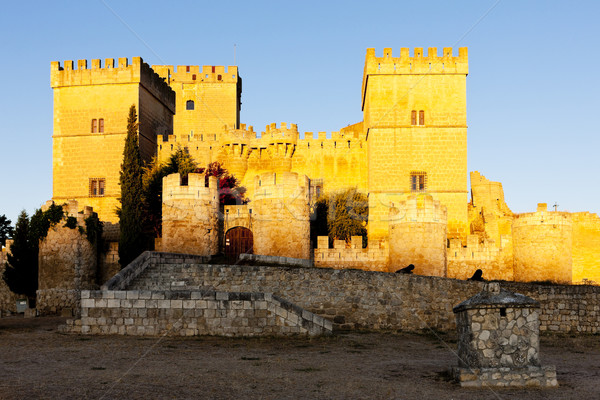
6 230
132 240
21 273
340 216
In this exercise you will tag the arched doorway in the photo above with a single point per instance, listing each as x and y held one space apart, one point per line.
238 240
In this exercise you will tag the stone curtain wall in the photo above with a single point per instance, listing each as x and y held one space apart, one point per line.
375 300
417 235
189 313
67 264
373 258
543 246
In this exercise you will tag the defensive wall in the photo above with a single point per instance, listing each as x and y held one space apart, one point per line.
67 262
373 300
341 256
338 162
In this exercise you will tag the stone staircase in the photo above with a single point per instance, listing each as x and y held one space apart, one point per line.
168 294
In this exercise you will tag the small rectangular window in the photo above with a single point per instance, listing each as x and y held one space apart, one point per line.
413 117
418 181
193 77
213 69
101 125
219 77
97 187
187 68
94 125
421 117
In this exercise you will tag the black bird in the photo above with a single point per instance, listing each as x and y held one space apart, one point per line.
406 270
477 276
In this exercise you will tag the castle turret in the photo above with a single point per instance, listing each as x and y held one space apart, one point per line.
418 229
235 149
281 215
543 246
415 122
190 215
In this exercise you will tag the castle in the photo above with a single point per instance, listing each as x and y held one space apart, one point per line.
409 154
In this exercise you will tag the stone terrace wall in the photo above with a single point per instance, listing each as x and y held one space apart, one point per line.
375 300
188 313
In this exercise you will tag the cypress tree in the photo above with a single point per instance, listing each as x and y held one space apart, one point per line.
132 241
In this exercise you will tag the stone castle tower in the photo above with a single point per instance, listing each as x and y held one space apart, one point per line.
415 124
90 124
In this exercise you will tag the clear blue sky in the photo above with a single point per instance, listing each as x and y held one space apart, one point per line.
533 87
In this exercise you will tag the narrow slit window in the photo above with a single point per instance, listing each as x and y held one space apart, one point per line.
413 117
421 117
94 125
101 125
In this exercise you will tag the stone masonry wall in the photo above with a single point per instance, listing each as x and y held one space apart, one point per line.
67 264
190 215
375 300
543 246
418 231
281 224
189 313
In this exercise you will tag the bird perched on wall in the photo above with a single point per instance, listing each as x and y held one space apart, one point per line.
406 270
477 276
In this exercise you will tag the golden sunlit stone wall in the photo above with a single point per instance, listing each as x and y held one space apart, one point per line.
586 247
543 243
84 94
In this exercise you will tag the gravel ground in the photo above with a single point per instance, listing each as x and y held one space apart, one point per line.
38 362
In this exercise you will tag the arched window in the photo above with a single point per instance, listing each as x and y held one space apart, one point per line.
189 105
421 117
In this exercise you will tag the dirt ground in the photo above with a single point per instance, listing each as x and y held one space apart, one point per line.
38 362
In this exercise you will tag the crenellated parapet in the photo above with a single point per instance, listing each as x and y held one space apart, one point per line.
197 74
112 73
417 64
195 189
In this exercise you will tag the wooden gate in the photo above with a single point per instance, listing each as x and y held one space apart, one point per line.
238 240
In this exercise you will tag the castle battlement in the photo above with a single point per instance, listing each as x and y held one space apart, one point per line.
543 217
123 72
194 190
195 74
418 63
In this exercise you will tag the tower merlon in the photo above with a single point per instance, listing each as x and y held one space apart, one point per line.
135 72
418 63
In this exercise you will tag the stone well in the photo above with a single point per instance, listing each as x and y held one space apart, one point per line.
498 341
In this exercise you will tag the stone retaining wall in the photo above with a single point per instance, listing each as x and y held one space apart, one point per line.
188 313
376 300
